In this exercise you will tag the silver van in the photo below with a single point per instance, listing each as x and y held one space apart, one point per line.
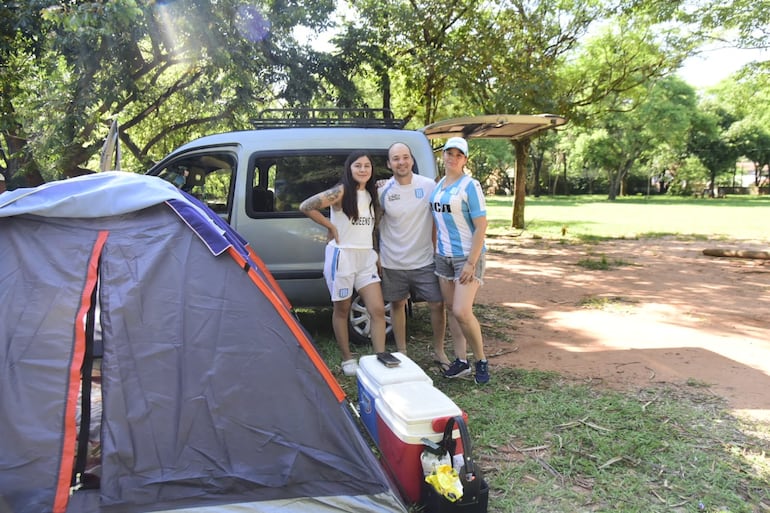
256 179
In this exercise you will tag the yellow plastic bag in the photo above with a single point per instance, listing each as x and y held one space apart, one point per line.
446 482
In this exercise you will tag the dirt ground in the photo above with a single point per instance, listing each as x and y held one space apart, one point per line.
664 314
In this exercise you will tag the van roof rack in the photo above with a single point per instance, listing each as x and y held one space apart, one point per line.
331 117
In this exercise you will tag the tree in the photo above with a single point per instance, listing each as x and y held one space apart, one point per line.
20 31
531 59
521 47
749 18
169 71
707 142
741 126
645 123
752 141
421 46
490 163
539 149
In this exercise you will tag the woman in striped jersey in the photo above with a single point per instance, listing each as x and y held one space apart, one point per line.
460 215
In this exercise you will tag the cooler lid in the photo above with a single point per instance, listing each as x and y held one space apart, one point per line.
416 402
379 375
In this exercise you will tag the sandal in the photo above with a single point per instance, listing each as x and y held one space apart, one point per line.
443 366
349 367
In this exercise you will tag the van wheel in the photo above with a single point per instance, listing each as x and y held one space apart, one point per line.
360 323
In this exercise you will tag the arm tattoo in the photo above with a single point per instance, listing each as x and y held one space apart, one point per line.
326 197
312 203
334 194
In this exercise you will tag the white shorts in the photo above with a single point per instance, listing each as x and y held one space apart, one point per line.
346 269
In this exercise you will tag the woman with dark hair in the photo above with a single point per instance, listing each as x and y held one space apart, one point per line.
351 261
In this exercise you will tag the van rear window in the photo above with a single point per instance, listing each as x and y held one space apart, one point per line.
281 183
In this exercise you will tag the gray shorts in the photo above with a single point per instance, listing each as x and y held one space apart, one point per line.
451 268
419 284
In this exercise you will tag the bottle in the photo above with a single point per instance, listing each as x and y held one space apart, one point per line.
430 460
458 462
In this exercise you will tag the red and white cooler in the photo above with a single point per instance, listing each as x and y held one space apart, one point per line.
407 413
372 376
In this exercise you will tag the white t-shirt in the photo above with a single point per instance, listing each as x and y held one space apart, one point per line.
406 228
355 234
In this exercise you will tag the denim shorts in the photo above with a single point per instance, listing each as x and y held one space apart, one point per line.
451 268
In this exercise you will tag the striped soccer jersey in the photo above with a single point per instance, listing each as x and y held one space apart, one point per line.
454 208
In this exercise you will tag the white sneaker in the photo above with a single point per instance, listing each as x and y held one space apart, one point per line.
349 367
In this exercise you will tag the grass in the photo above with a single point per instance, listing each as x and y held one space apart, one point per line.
590 218
614 303
547 444
601 263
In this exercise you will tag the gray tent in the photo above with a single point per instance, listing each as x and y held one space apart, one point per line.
213 398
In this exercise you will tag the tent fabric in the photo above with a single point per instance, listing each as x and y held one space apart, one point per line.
213 396
95 195
114 193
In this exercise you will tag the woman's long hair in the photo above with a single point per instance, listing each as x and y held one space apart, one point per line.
350 196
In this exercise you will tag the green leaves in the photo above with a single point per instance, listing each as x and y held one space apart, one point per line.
169 71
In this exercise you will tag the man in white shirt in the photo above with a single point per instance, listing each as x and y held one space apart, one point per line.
406 249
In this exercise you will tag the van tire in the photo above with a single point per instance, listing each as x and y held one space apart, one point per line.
359 323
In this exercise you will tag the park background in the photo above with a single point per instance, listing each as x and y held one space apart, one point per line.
167 72
642 141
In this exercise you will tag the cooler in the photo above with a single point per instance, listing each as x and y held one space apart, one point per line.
373 375
406 413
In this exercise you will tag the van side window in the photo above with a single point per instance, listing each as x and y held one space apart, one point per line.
282 182
207 176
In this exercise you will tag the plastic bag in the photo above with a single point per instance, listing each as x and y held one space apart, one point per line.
446 482
431 461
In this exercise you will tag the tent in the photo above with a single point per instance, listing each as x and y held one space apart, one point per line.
213 397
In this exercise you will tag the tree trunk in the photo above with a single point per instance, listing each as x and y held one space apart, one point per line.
537 165
564 165
20 161
554 185
520 183
712 184
614 186
737 253
385 81
617 179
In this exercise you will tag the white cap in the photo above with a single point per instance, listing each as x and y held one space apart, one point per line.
459 143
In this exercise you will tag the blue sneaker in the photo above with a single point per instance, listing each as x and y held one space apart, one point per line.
482 372
458 369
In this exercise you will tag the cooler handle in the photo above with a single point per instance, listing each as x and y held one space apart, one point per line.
438 424
469 477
